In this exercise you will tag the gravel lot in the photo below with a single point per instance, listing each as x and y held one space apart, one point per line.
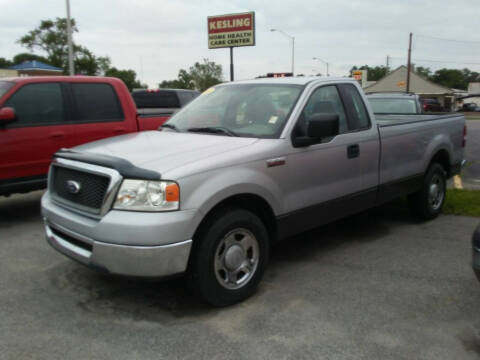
375 286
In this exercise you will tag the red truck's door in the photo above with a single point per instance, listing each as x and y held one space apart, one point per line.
40 129
97 112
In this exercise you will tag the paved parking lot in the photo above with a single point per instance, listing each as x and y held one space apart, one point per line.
374 286
471 172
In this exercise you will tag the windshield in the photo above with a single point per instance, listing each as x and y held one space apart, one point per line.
4 87
250 110
393 106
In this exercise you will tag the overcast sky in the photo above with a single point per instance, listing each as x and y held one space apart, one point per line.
156 38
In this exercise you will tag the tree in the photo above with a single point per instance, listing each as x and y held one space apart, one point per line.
5 63
451 78
51 38
206 75
184 81
424 71
129 77
373 73
200 76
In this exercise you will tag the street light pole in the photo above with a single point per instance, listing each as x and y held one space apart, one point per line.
69 39
293 47
326 63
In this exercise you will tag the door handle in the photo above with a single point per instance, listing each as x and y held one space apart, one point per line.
353 151
57 135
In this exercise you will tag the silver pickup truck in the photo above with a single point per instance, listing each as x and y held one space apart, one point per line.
242 166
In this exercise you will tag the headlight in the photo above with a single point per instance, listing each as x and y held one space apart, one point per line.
143 195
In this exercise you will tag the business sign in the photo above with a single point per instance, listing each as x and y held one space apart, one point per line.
357 74
231 30
279 75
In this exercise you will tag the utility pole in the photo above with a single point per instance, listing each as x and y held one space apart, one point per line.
388 64
409 66
231 63
69 39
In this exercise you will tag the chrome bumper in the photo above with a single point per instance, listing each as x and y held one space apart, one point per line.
144 261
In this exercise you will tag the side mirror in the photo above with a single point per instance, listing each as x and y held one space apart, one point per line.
7 115
319 126
323 125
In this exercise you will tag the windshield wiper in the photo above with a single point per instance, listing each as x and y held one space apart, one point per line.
169 126
213 130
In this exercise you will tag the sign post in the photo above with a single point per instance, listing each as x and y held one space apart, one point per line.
231 30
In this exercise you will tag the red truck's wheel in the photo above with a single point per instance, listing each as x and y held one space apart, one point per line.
229 257
428 202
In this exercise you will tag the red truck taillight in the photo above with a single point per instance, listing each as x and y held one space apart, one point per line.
464 142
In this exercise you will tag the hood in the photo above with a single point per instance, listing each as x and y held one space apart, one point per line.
165 150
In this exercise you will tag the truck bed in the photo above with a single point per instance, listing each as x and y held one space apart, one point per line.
408 142
397 119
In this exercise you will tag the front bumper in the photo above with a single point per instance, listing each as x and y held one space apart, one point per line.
122 242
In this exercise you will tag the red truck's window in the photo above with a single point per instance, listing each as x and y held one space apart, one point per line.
96 102
5 86
37 104
161 99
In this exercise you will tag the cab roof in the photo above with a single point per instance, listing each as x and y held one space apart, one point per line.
292 80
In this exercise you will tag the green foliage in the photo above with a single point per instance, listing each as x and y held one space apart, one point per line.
462 202
373 73
5 63
127 76
51 38
200 76
454 78
184 81
424 71
450 78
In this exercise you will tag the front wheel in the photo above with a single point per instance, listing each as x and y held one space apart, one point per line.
428 202
229 257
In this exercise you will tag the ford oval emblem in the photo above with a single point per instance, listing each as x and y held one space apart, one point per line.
72 187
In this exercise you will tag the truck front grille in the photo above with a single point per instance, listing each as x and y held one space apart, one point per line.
83 190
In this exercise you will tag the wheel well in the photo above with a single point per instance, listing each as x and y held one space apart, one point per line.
250 202
443 159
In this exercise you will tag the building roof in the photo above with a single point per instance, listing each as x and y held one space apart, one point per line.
34 65
396 81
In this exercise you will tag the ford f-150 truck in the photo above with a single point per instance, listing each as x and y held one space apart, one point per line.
244 165
40 115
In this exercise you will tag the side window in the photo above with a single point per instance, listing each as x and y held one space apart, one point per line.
37 104
358 116
96 102
185 97
325 99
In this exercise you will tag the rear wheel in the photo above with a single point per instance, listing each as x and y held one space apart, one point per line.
229 257
428 202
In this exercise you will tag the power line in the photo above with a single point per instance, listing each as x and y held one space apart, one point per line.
452 40
437 61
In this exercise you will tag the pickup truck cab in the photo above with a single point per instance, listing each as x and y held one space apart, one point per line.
244 165
40 115
161 103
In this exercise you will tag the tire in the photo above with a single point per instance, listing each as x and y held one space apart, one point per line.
427 203
229 257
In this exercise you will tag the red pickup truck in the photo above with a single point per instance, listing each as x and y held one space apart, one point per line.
40 115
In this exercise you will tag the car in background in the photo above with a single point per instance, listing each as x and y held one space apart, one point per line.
40 115
161 102
431 105
395 103
470 107
476 252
